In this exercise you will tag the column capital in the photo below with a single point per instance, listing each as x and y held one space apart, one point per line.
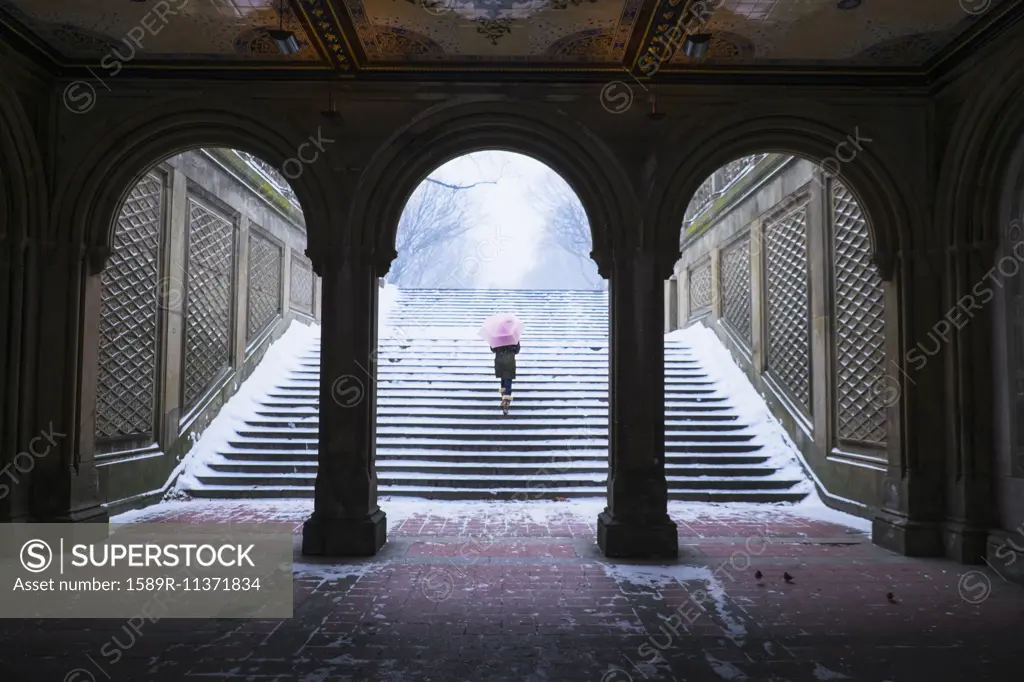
336 256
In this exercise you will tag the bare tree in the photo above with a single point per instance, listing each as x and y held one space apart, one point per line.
434 220
567 225
431 235
567 233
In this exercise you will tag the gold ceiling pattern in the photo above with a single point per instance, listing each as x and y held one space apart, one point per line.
504 35
161 30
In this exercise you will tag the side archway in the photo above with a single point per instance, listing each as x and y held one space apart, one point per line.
23 210
979 166
865 175
450 131
979 211
89 200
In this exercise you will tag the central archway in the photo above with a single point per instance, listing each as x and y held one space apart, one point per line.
450 131
471 246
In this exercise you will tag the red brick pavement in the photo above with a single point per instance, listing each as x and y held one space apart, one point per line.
513 592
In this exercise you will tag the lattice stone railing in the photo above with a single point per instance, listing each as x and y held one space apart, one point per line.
301 283
736 308
264 300
126 382
766 286
860 325
700 287
208 300
789 305
718 184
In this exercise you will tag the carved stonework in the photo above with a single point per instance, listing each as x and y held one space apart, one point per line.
736 301
301 296
208 301
789 305
264 297
859 325
126 381
700 286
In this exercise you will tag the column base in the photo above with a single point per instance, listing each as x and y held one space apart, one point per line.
963 543
906 537
624 540
344 537
96 514
1005 552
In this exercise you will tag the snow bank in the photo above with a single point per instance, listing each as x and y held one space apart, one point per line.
273 370
387 301
751 407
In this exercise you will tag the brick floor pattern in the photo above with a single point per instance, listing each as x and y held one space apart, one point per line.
529 598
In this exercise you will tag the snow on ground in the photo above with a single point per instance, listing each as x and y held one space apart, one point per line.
387 301
705 344
751 407
281 356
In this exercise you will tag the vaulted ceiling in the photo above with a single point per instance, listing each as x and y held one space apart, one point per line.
555 37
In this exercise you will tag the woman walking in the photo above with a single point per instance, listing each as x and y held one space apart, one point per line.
505 369
502 333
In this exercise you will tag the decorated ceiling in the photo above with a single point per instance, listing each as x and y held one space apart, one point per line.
642 36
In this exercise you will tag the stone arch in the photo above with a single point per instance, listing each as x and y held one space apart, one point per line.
91 197
450 131
979 212
23 191
733 137
983 160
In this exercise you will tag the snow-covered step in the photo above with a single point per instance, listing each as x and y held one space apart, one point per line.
441 435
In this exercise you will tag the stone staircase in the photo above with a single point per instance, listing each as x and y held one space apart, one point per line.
441 434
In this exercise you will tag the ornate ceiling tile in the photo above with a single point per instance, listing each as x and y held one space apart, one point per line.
497 31
804 33
171 30
905 36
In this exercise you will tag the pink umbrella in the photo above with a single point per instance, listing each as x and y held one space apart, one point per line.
503 329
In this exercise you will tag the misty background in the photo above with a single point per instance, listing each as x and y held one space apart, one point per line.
494 220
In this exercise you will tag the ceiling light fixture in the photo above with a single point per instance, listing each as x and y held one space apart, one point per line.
849 4
286 41
696 46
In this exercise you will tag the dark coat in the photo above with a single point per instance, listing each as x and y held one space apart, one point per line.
505 361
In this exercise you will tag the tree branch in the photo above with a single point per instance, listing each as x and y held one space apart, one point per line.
445 184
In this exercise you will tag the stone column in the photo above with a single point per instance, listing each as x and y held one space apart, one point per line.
65 483
716 285
240 304
819 234
970 471
758 303
635 524
12 365
346 520
908 521
171 293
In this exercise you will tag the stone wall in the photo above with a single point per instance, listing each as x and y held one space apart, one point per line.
776 259
207 269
